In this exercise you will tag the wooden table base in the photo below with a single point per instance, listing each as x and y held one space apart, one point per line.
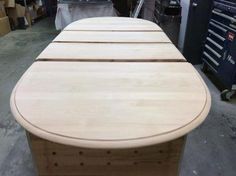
56 159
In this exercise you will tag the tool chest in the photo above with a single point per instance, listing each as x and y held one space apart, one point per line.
219 51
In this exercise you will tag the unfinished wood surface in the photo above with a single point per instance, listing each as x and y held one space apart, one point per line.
97 117
110 105
54 159
113 24
111 52
97 45
112 37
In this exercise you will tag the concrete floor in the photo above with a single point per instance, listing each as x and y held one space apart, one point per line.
210 149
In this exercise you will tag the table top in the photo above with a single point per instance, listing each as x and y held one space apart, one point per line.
111 52
112 39
96 103
112 24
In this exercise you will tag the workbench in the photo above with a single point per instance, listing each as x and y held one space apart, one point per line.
110 97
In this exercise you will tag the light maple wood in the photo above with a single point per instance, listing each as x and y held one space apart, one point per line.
113 24
111 52
62 160
86 115
110 105
112 37
112 45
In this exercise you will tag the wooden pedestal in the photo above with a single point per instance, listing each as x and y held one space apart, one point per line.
56 159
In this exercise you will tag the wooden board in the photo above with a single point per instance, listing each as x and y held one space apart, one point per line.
113 24
112 52
55 159
111 37
110 105
128 45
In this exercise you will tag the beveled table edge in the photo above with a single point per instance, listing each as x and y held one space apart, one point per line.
112 144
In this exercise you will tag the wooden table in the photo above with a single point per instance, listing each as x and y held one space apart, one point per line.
110 97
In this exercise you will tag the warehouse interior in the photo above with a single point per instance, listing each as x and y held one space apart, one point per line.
202 30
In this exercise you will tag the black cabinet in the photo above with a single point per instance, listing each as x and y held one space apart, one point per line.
219 52
198 18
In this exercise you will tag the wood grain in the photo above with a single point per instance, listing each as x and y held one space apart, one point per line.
118 45
110 105
54 159
111 37
111 52
113 24
109 96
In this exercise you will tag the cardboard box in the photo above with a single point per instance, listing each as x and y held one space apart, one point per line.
2 9
4 26
10 3
14 13
20 10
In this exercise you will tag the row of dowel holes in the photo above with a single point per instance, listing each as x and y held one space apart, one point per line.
108 152
108 163
56 164
81 164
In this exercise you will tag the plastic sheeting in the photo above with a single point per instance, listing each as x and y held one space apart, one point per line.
67 13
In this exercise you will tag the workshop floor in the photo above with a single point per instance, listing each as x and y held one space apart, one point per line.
210 149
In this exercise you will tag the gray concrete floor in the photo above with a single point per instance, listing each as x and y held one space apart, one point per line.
210 149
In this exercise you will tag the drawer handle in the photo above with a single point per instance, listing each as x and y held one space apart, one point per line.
223 25
209 65
213 51
224 16
214 43
209 57
217 35
219 27
194 4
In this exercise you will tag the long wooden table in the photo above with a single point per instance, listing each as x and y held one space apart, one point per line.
110 97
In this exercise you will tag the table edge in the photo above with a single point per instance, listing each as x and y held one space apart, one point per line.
112 144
